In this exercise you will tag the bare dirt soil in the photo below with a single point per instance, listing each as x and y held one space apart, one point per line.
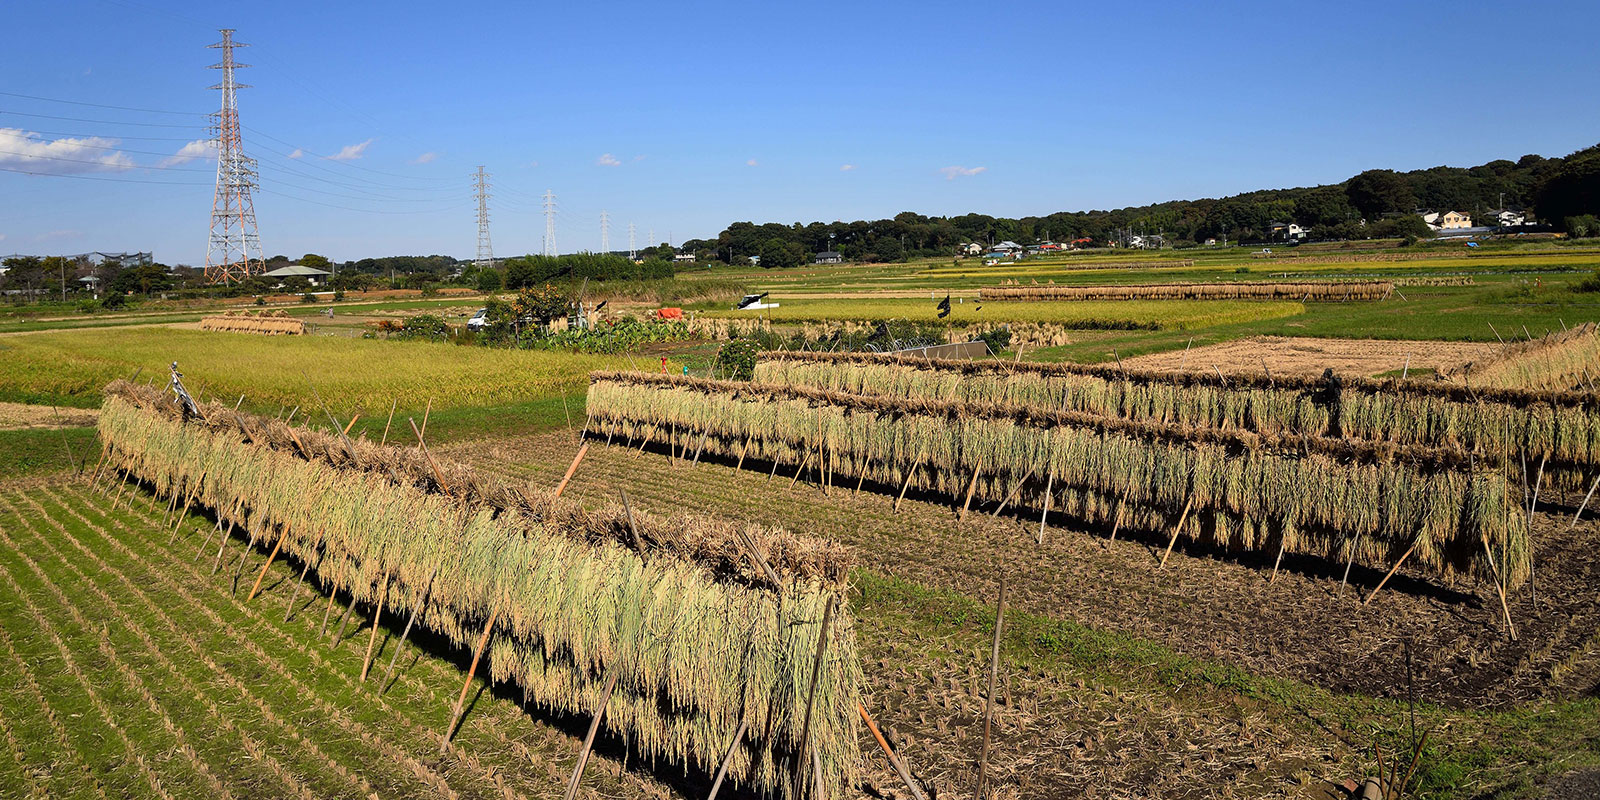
1310 356
15 416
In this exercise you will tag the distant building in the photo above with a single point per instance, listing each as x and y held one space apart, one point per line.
681 258
1285 231
312 275
829 257
1006 247
1447 220
1506 218
969 249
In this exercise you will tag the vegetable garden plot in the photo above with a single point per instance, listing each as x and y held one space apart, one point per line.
1322 291
1333 498
1558 430
697 643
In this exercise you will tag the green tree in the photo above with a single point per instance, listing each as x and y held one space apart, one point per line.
316 262
543 304
488 281
1413 225
1573 189
296 284
776 253
1378 190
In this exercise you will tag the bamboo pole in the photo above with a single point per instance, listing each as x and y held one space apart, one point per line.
1392 571
438 474
1283 542
1176 529
988 705
760 560
283 533
344 619
1116 524
407 632
742 452
905 486
588 739
327 612
181 515
567 478
1499 587
899 766
377 616
477 654
727 758
295 598
1013 495
1585 503
1045 514
217 564
800 469
633 529
425 414
972 485
392 404
811 694
700 447
1350 562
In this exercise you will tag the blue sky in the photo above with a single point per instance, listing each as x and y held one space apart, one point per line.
683 117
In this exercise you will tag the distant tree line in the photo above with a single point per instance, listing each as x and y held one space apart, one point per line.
1556 189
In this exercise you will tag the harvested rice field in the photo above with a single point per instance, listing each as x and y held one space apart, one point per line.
1308 357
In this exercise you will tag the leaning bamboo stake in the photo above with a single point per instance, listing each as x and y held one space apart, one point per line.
425 414
282 534
1014 493
392 404
438 474
588 739
344 619
800 470
327 612
904 486
973 484
899 766
477 654
1392 571
811 694
727 758
988 705
1499 587
1585 503
428 587
1116 524
351 423
567 478
1354 545
294 599
377 616
1176 529
742 451
1045 513
185 513
1283 543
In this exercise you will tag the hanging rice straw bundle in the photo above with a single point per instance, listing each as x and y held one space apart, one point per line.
1322 291
1245 488
697 640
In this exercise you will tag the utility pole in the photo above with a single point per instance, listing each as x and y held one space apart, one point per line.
233 213
485 259
549 222
605 233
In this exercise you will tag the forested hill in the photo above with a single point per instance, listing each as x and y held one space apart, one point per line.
1554 188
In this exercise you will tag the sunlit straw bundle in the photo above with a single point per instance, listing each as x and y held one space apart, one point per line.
270 323
1563 360
1323 291
698 641
1560 430
1332 498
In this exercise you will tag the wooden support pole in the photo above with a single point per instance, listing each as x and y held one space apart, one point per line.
800 469
1116 523
633 529
344 619
392 404
1283 542
742 452
700 447
295 598
1017 490
477 654
217 564
904 486
425 414
645 440
811 694
988 705
588 739
182 514
282 534
727 758
1499 587
1392 571
1585 503
1350 562
1044 514
971 486
756 557
1176 529
415 610
438 474
899 766
377 616
567 478
327 612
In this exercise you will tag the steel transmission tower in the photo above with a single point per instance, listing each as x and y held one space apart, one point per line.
549 222
485 259
234 252
633 250
605 233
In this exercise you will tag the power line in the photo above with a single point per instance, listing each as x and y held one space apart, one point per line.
457 207
32 133
100 163
345 163
100 178
102 105
102 121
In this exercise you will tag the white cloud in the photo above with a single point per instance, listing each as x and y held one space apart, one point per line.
639 157
2 237
298 153
350 152
608 160
951 173
199 148
425 158
20 150
751 163
847 167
